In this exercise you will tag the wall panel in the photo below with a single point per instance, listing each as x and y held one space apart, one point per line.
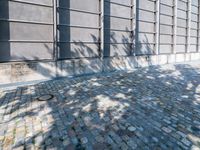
26 30
166 26
182 25
118 28
146 19
78 28
194 26
73 29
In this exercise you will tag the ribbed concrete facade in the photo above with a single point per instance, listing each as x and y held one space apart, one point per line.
42 39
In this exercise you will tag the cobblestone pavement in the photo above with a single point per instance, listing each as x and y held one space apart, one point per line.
151 108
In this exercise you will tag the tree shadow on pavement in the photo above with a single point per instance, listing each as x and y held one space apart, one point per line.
156 107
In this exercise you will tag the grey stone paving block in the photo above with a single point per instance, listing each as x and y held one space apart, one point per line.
153 108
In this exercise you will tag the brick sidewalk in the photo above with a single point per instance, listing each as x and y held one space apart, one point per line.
152 108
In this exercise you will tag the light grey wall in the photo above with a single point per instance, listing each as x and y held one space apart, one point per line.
117 28
26 30
146 27
166 26
182 21
194 26
66 29
78 28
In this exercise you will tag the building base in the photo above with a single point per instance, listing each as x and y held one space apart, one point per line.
15 72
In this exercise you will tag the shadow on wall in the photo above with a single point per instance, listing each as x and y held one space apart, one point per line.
115 47
93 112
80 48
4 31
85 111
64 32
18 42
142 47
68 46
84 50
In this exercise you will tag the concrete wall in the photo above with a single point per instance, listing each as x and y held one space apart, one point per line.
26 30
43 39
32 71
78 25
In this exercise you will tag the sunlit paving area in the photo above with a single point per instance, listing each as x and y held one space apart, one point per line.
150 108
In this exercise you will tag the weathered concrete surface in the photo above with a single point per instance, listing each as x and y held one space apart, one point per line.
152 108
33 71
